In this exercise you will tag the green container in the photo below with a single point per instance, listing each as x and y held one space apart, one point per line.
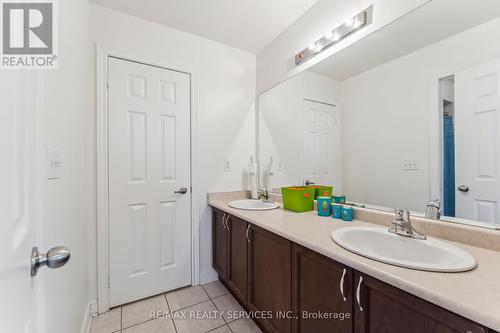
298 198
321 191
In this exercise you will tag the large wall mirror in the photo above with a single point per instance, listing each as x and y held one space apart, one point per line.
407 117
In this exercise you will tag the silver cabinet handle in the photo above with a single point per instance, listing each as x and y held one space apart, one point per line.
463 188
182 190
223 217
56 257
247 233
358 293
342 284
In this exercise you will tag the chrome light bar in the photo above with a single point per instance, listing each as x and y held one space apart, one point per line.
356 23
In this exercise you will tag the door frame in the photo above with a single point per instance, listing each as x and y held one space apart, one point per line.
102 108
436 140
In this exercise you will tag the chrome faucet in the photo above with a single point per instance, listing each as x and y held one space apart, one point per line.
264 195
433 210
402 225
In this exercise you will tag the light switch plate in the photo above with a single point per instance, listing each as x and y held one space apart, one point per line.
409 165
54 162
227 165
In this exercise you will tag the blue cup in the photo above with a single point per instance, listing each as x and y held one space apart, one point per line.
347 214
337 211
324 206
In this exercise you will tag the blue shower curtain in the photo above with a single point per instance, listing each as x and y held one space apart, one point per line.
448 166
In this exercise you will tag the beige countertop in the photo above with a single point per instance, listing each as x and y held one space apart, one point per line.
474 295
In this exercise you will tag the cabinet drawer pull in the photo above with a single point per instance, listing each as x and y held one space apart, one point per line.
247 233
342 280
358 293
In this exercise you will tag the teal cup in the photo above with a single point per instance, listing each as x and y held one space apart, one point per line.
324 206
340 199
337 211
347 214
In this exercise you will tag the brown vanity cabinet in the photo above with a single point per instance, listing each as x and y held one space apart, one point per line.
237 268
383 308
281 281
269 287
219 243
230 252
320 286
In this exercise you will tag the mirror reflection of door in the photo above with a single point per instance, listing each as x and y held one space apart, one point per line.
470 143
319 143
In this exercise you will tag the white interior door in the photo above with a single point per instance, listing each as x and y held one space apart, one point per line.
477 146
149 159
319 146
18 310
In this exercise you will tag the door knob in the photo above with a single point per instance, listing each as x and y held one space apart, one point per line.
463 188
182 190
56 257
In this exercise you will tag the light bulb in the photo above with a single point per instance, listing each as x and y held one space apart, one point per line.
357 24
312 46
336 37
329 35
349 22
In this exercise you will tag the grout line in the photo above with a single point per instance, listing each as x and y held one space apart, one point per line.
121 318
216 328
220 311
186 307
170 312
221 296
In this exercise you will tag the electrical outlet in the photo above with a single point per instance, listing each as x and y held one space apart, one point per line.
227 165
409 165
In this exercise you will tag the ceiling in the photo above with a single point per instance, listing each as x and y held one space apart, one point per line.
424 26
248 25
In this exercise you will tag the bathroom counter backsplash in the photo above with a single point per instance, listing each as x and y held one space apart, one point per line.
474 294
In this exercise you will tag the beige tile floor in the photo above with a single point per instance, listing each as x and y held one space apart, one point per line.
211 298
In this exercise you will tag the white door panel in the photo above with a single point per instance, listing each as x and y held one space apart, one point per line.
477 148
18 310
319 150
149 159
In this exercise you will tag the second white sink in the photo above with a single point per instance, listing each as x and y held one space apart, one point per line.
428 255
249 204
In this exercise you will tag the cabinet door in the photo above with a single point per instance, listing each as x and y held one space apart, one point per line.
269 264
383 308
320 286
219 243
237 272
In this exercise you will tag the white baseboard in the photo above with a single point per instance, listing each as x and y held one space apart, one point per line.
209 276
87 319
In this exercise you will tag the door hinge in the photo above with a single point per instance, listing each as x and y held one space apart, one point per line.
109 282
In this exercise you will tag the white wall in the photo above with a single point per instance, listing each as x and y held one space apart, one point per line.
225 97
276 62
65 115
387 118
280 124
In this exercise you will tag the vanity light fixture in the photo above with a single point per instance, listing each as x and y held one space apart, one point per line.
350 26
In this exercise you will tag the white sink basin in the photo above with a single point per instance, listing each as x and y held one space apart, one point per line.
249 204
427 255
